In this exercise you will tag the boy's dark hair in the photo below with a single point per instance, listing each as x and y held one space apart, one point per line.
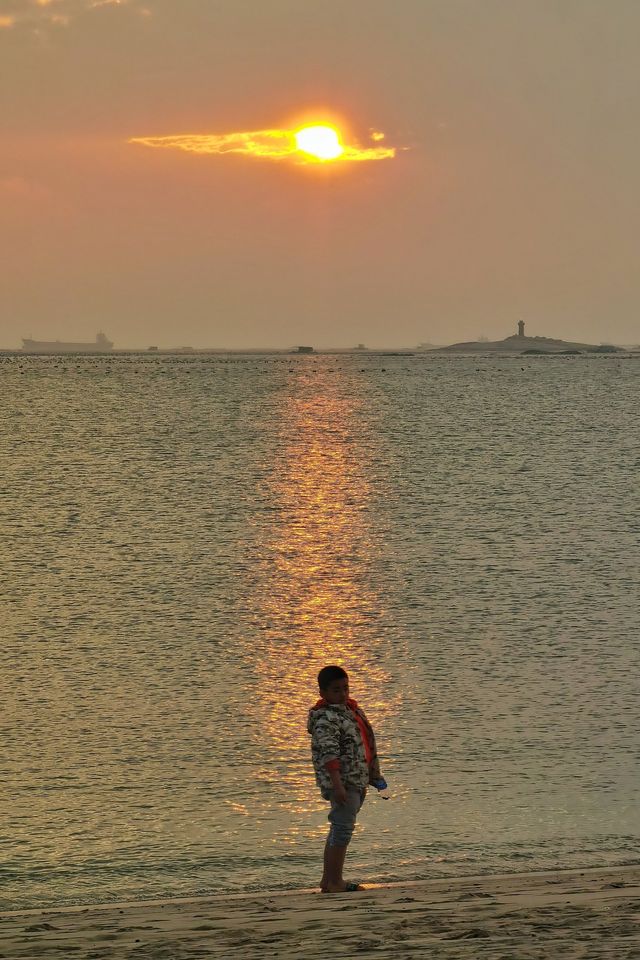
328 674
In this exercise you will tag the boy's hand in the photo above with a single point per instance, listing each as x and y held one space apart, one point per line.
340 793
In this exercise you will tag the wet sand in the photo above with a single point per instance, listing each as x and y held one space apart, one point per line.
590 913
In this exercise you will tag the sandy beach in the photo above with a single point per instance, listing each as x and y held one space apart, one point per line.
588 913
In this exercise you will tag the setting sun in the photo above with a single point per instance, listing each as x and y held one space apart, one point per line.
311 144
321 142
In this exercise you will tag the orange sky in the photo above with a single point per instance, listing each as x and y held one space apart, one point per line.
516 195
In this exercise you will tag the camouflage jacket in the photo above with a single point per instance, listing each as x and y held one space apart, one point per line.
335 735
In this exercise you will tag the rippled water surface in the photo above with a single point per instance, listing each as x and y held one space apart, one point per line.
186 541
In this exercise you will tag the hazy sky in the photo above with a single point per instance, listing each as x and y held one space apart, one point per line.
518 195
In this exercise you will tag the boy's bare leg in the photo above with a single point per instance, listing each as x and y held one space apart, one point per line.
328 882
323 882
334 860
332 881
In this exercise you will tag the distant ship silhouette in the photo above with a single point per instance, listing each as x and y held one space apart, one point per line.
100 345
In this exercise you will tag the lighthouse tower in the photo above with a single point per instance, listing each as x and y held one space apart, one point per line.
521 328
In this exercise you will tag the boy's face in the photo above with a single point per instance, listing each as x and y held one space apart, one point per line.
337 691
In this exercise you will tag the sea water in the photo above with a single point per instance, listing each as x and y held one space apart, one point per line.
187 540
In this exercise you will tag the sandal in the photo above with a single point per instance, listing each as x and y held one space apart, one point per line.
349 888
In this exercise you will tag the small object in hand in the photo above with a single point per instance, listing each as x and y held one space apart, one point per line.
382 788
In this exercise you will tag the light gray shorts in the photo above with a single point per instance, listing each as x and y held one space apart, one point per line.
342 816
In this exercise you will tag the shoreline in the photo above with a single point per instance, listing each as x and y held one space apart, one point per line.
304 891
577 912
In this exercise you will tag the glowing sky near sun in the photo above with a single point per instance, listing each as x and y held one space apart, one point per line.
313 143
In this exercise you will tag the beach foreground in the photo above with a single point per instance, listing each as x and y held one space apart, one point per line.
587 913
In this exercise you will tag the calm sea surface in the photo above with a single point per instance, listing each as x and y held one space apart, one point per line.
186 541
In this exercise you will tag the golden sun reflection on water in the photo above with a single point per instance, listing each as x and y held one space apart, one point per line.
318 604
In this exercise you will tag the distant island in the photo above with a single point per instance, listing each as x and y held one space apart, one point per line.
520 343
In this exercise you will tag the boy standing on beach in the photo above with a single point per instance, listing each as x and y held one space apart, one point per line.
343 749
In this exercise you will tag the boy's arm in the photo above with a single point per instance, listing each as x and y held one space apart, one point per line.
326 737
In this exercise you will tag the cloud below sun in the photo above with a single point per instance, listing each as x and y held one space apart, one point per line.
34 15
317 143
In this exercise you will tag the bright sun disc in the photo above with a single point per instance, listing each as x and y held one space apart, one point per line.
323 143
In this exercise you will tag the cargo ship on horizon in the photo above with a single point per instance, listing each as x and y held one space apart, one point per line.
100 345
